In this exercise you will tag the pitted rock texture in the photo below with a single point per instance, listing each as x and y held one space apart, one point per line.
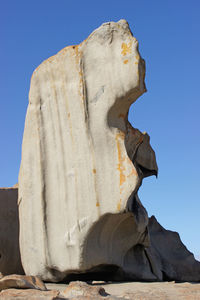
82 162
10 261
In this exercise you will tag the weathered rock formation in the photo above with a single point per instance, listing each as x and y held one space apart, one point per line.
170 259
83 163
76 174
10 261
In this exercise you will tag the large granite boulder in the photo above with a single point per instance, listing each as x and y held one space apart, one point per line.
82 162
82 165
10 261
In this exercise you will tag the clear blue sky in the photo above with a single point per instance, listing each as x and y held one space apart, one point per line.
169 39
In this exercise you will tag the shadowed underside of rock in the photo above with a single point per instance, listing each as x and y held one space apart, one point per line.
169 256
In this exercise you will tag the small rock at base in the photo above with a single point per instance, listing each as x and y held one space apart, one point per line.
79 288
21 282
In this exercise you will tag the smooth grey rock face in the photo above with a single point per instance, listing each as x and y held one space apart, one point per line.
81 159
10 261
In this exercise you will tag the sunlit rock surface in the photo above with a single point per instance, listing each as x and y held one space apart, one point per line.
76 169
82 165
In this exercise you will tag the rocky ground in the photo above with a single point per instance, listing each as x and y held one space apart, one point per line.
145 290
19 287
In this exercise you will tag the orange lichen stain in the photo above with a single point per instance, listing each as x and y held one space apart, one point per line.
81 84
119 205
120 136
122 176
77 53
126 48
64 50
97 204
121 116
50 59
133 172
94 171
140 140
137 57
125 61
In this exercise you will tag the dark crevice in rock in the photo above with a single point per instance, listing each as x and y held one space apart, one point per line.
99 273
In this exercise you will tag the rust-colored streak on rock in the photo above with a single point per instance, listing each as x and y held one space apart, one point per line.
119 205
121 116
126 48
121 158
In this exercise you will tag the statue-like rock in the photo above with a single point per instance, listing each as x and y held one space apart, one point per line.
81 161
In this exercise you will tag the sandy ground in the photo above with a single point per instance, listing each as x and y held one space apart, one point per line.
146 291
